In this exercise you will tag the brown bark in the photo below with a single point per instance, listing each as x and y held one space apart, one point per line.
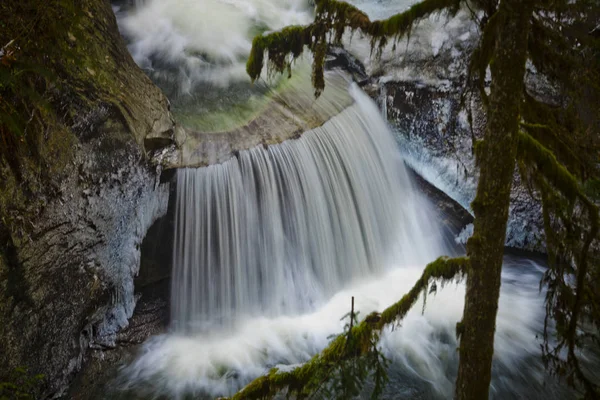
496 157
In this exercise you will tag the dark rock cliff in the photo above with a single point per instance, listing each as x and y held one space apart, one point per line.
73 219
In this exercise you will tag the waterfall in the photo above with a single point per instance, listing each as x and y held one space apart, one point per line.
271 245
280 229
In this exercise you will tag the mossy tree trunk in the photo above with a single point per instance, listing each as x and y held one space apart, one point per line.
513 30
496 158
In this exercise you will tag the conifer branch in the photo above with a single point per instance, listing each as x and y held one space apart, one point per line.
565 302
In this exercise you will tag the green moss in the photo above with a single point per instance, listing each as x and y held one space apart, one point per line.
560 130
55 57
460 328
592 189
21 384
401 24
290 41
443 269
533 152
333 18
359 342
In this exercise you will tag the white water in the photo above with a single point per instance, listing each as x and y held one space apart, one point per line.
279 230
268 281
422 349
204 40
336 218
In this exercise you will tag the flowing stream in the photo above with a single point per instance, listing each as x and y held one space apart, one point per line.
271 245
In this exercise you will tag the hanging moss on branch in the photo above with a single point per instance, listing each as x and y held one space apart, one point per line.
560 130
333 19
557 152
361 340
444 269
290 40
571 306
532 151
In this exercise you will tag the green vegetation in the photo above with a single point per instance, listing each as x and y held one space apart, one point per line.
352 356
21 385
27 84
554 147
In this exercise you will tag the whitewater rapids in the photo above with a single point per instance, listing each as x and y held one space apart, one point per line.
275 301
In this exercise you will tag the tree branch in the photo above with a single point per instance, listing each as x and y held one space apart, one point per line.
303 379
332 19
552 176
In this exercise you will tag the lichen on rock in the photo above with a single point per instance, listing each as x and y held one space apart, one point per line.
75 210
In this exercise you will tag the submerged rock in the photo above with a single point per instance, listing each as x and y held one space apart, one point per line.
285 113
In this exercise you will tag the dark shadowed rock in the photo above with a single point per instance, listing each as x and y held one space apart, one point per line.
70 236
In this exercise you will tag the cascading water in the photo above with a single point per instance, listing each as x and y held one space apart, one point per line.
277 230
271 245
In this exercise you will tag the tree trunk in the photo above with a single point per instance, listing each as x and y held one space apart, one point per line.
496 158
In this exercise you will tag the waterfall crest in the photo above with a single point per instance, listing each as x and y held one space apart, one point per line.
277 230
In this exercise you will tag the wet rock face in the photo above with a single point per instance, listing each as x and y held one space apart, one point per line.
72 279
99 378
69 252
419 87
437 142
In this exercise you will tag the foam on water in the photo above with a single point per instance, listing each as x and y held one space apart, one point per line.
204 40
353 179
423 347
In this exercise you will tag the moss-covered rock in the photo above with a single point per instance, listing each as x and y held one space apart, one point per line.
75 210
